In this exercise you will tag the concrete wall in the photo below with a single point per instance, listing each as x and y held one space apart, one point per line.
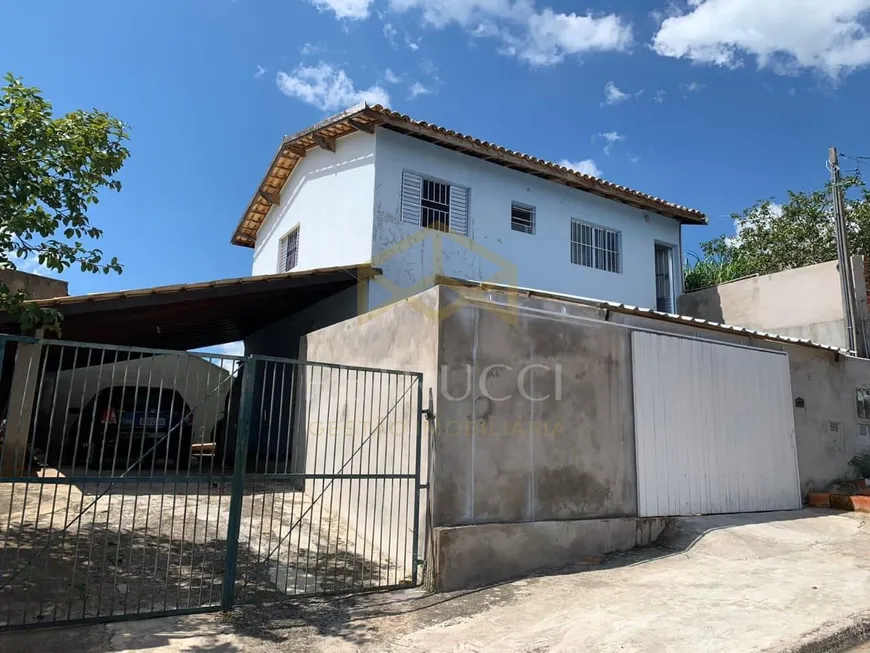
520 482
803 303
539 260
329 196
824 380
371 427
565 450
471 556
36 286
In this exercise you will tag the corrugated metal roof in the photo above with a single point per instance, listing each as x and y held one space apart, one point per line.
189 316
365 118
358 272
643 312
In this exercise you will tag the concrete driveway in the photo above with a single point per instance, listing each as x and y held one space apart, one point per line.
797 581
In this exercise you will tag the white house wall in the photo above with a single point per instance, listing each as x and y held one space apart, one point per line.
541 260
330 196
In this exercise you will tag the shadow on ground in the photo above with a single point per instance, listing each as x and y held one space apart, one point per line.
267 620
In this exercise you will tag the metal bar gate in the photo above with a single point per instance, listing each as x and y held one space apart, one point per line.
141 483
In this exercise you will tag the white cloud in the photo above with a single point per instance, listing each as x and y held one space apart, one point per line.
413 44
612 94
350 9
390 77
659 97
612 138
327 88
417 89
586 167
428 67
783 35
260 71
539 37
693 87
390 33
310 48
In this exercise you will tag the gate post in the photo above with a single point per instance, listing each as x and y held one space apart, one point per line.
416 543
237 494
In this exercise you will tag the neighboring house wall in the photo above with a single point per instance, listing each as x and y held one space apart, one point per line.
329 196
540 260
802 303
36 286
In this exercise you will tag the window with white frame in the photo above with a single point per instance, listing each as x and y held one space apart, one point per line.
595 247
288 251
522 218
434 204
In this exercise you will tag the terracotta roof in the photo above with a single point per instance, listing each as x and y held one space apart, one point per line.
366 118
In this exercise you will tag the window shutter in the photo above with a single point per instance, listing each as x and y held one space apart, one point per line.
412 191
459 210
282 254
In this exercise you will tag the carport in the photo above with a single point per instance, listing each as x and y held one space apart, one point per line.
196 315
173 318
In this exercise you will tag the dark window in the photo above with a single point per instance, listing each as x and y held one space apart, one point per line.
664 282
288 255
522 218
595 247
435 206
863 401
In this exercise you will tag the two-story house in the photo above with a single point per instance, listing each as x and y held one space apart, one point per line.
416 200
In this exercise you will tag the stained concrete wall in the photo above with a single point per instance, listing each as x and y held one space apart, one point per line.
802 303
565 449
509 472
826 381
365 422
36 286
471 556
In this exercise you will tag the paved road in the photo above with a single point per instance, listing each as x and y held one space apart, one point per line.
730 583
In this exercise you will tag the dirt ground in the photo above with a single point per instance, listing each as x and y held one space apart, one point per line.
138 548
790 582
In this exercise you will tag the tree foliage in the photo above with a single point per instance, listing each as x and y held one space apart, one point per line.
772 238
51 171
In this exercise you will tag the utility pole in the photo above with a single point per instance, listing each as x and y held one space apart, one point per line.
854 334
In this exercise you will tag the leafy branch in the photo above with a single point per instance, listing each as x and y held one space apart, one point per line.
51 172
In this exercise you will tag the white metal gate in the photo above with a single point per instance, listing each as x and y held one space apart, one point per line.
714 428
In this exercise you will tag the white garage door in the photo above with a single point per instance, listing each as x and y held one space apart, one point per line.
714 428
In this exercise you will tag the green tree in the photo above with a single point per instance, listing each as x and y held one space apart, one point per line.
51 171
772 238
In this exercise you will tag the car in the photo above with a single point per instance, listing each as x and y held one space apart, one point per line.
126 426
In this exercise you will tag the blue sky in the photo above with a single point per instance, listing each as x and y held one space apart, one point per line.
709 103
